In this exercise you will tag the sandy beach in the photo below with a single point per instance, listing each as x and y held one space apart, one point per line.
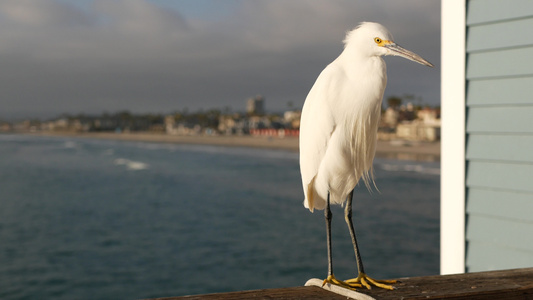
397 149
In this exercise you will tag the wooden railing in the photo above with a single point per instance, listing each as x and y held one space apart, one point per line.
506 284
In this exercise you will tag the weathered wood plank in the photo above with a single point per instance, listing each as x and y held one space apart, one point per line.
302 292
507 284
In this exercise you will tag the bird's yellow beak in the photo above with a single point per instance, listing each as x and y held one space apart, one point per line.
395 49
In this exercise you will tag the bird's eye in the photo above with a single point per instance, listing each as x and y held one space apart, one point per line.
377 40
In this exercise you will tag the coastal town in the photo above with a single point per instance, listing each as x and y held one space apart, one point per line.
399 122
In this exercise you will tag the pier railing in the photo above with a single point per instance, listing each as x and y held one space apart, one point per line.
506 284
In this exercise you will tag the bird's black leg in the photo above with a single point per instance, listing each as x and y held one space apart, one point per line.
348 218
362 279
331 278
327 214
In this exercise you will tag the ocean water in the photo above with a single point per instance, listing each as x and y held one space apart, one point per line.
100 219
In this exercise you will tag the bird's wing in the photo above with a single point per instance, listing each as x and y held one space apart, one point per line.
316 127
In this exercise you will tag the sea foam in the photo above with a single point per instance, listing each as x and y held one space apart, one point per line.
130 164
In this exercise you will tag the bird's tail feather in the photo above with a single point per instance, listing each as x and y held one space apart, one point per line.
309 197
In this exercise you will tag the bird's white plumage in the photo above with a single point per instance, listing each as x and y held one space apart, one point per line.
338 128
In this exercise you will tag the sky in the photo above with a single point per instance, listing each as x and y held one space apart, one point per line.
162 56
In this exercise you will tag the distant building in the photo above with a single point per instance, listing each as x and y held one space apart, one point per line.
407 112
170 124
292 118
257 122
255 105
232 124
5 127
391 116
426 127
409 124
418 130
429 116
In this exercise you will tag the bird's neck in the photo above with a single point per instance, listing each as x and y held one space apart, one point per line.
367 78
360 114
361 66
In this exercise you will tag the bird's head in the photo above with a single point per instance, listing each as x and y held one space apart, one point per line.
373 39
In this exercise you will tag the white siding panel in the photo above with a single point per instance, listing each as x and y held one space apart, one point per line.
503 63
500 119
500 204
499 35
498 175
483 11
502 232
487 257
502 91
503 147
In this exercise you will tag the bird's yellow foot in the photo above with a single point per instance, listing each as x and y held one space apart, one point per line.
332 280
364 280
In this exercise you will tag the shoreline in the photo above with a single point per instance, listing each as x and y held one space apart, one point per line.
396 149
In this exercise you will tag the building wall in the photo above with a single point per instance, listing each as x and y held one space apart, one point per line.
499 134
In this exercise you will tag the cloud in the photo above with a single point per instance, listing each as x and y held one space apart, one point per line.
135 54
41 13
139 17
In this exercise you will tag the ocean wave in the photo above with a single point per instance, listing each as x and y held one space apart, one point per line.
108 152
417 168
221 149
130 164
70 144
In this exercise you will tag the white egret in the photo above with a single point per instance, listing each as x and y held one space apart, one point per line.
338 130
